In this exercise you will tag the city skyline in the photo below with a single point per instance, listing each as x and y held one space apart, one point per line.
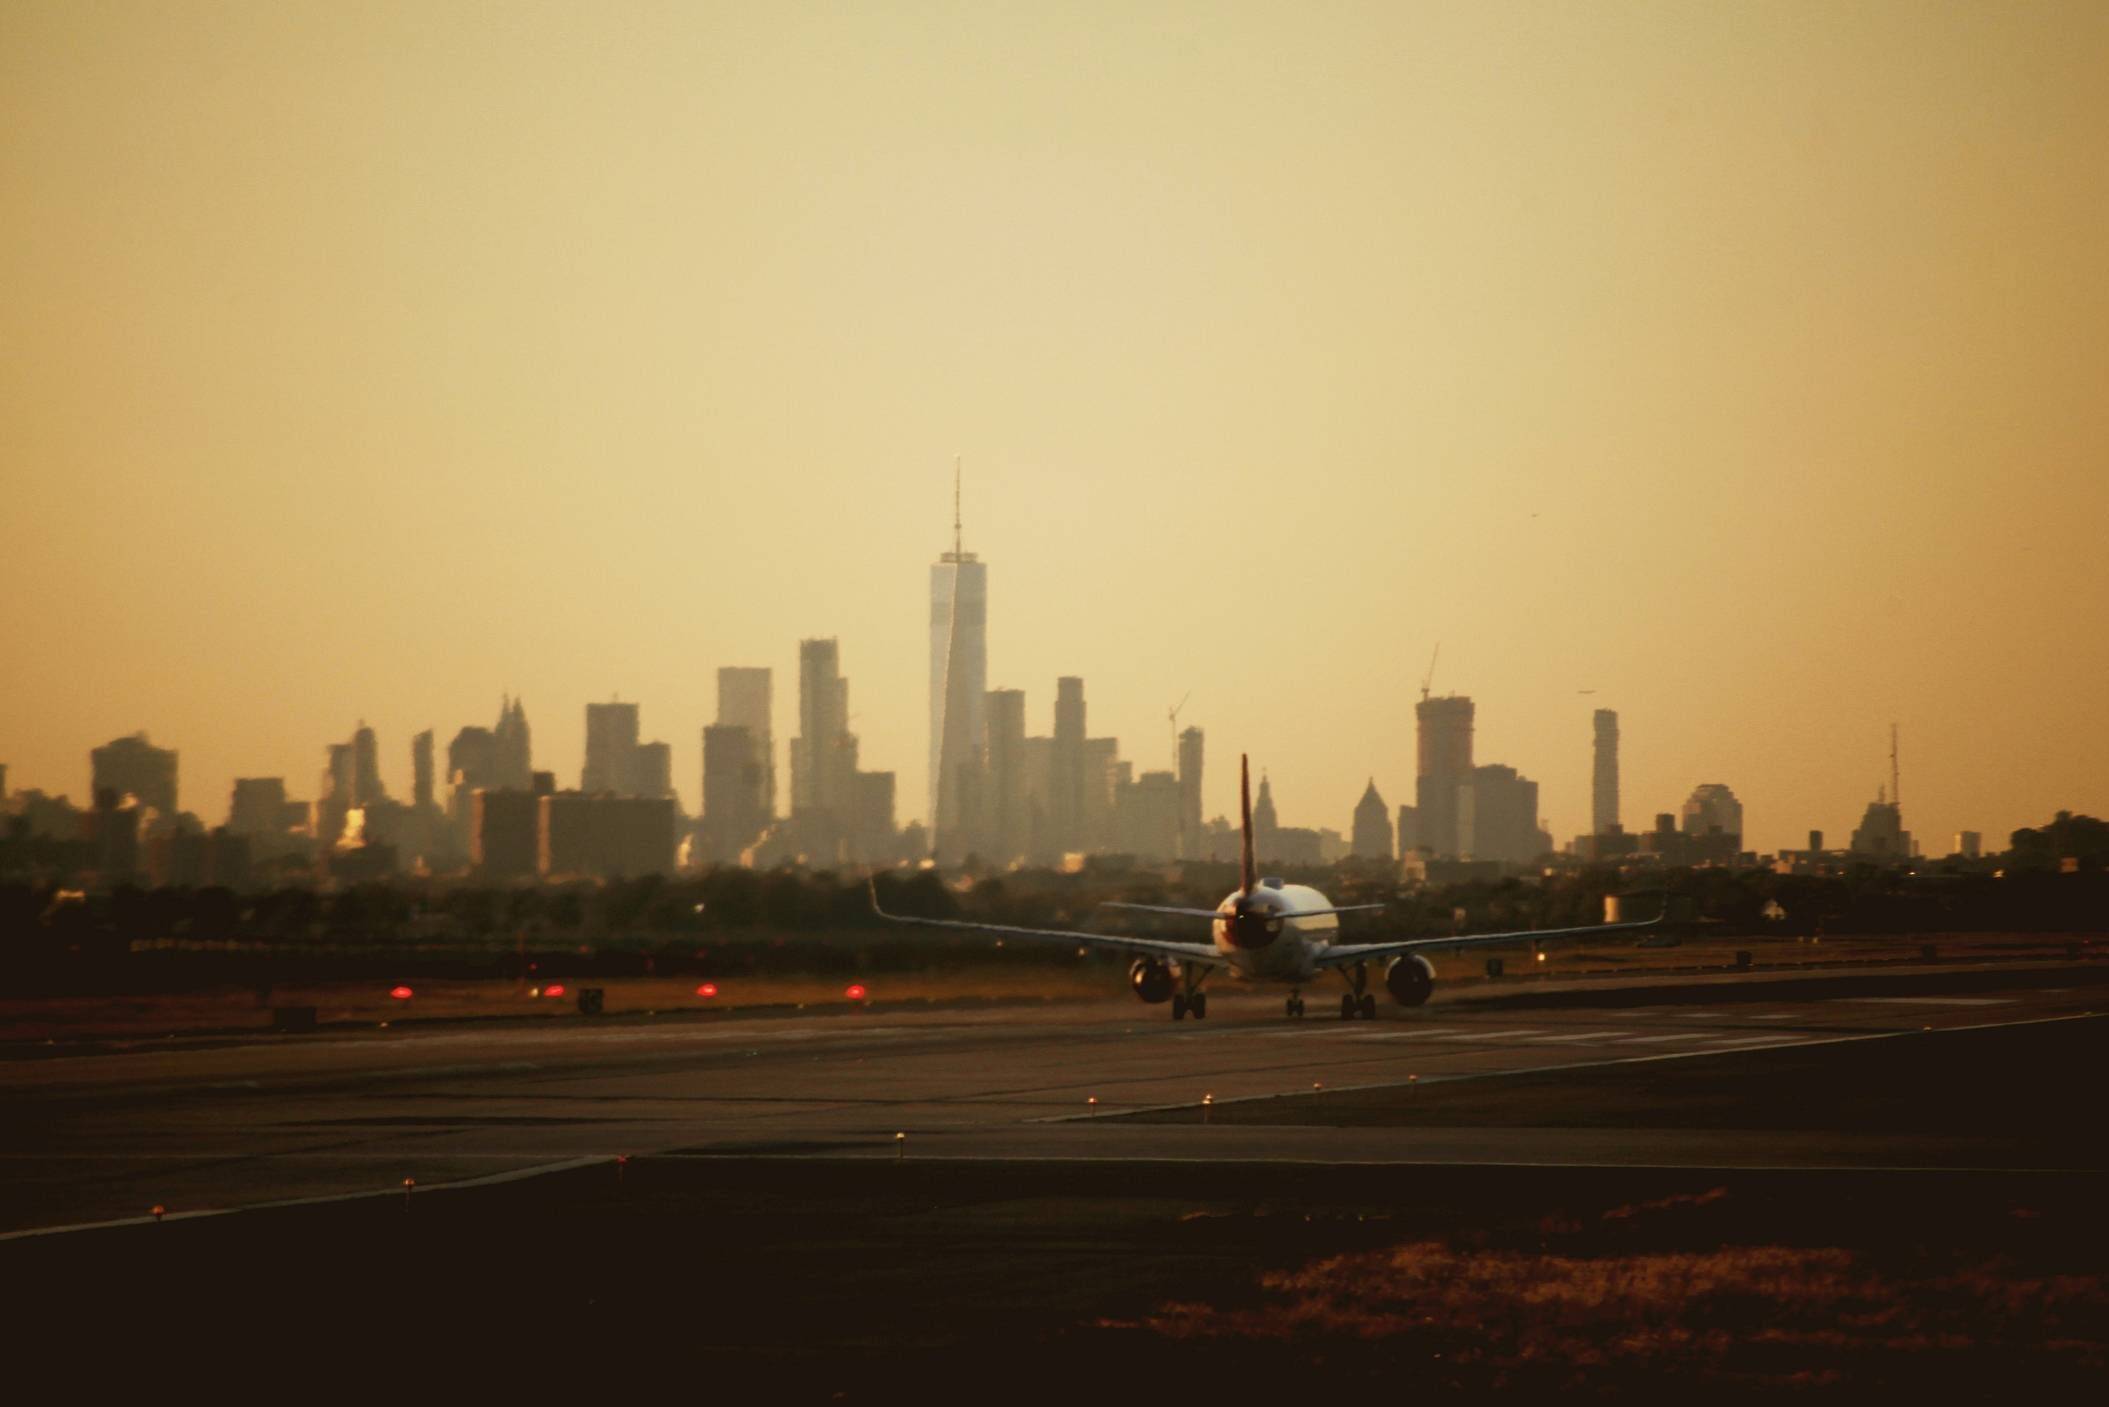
1740 371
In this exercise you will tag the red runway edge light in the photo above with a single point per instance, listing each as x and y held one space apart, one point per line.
855 991
708 989
400 992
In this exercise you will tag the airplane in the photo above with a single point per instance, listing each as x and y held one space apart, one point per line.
1268 931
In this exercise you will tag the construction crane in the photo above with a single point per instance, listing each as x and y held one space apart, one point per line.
1174 715
1428 679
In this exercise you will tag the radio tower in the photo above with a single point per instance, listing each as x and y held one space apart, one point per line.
1896 786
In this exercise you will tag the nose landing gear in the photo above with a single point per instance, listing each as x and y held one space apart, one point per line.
1295 1005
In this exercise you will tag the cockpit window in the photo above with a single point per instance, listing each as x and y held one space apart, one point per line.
1271 882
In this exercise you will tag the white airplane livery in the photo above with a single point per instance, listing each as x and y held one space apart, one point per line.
1268 931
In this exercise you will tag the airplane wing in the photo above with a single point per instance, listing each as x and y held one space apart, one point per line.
1344 954
1117 942
1217 913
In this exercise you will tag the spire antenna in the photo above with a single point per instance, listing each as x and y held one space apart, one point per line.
957 540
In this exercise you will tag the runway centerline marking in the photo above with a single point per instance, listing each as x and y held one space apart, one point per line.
1927 1001
1498 1035
1580 1036
1673 1036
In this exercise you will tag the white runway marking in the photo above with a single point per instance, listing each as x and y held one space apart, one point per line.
1497 1035
1673 1036
1751 1040
1410 1035
1928 1001
1582 1036
1774 1016
1297 1033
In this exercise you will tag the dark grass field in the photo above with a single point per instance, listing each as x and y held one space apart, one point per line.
874 1280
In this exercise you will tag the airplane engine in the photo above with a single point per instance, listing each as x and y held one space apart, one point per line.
1410 979
1151 979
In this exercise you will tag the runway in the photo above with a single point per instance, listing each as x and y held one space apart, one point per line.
105 1134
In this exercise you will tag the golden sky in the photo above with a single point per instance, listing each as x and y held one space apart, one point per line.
1745 363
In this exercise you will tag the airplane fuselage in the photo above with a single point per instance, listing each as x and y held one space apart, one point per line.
1274 939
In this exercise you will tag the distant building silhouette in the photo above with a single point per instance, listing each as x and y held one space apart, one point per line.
1192 745
653 774
836 813
134 767
1881 834
257 806
873 837
1067 784
337 793
1712 809
745 701
504 833
1445 765
1603 792
600 835
1497 817
1104 773
959 680
1372 829
823 757
366 767
1265 822
611 749
1146 817
512 756
113 835
1006 830
421 770
733 818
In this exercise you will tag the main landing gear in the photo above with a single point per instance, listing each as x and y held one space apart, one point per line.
1359 1001
1190 998
1295 1005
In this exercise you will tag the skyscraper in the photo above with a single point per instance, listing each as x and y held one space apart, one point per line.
1445 764
1066 804
421 770
512 753
652 771
1265 823
744 701
366 767
959 677
133 766
732 811
611 749
823 756
1007 832
1496 815
1603 794
1191 741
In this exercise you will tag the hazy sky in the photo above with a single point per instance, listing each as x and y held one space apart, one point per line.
1747 364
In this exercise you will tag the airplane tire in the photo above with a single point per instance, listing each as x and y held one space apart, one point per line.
1178 1006
1199 1005
1347 1006
1369 1006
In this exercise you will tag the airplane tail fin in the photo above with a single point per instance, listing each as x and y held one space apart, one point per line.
1248 868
